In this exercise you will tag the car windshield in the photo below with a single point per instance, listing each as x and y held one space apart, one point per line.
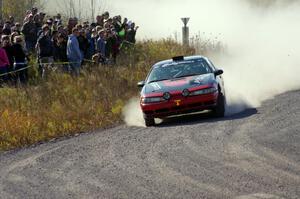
179 70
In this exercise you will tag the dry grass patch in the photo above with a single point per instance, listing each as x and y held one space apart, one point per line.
63 105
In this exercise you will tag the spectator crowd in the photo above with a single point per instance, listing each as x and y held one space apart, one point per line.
53 41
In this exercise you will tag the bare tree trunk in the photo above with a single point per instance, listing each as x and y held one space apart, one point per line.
31 3
79 9
70 14
72 8
1 11
93 10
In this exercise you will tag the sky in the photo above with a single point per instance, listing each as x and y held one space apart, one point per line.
162 18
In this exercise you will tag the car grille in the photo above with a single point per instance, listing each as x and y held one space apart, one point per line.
182 108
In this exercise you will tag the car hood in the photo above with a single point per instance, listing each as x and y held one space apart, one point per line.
179 84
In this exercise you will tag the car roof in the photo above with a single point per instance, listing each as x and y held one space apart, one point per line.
186 58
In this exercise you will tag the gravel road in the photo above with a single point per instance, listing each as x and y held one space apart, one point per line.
251 155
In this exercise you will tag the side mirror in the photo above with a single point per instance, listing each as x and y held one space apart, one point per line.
219 72
141 84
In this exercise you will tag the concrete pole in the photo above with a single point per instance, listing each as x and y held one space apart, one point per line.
185 32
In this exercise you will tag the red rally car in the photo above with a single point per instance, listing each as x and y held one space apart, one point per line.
180 86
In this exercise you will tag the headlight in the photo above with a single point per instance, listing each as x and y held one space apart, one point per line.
167 96
185 92
148 100
204 91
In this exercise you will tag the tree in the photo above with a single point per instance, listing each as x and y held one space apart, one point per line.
75 8
18 8
93 9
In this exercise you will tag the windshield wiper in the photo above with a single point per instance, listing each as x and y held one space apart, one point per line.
159 80
186 75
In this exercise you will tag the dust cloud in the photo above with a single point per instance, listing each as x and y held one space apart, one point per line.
262 43
132 113
262 59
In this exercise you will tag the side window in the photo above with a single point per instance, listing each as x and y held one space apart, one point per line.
207 66
212 65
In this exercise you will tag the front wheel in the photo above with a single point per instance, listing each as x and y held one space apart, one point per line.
149 122
219 110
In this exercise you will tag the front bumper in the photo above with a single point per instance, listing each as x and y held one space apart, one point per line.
179 104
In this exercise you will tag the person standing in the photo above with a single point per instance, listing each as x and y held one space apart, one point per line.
29 30
100 20
45 50
17 28
8 49
109 45
6 28
73 52
131 33
9 52
4 63
60 51
101 46
83 42
11 20
21 60
91 49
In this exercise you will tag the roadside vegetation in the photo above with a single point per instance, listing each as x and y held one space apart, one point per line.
64 105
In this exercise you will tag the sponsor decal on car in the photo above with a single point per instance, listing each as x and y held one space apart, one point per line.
177 102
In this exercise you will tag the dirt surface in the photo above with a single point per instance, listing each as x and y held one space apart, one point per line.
254 154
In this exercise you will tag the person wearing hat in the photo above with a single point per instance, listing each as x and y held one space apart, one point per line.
105 15
34 11
58 20
50 24
29 30
41 17
45 49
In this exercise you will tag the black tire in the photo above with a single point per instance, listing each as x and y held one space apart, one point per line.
149 122
219 110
